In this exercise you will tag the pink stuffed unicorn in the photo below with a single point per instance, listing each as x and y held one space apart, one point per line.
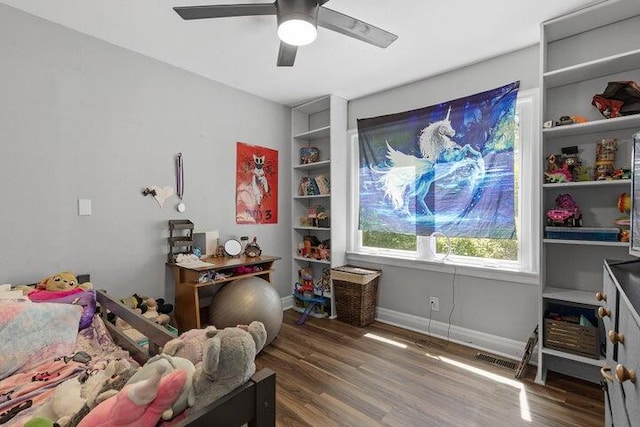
140 404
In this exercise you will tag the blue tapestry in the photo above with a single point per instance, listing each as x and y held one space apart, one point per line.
448 168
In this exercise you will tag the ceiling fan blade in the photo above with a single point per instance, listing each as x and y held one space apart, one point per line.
355 28
225 10
286 54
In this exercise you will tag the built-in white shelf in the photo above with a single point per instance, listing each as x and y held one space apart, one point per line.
312 228
318 196
315 165
570 295
584 242
315 106
613 64
314 134
317 261
604 125
606 182
571 356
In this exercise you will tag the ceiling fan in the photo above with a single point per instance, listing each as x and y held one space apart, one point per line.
297 23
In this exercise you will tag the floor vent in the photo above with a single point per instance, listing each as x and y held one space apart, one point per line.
502 363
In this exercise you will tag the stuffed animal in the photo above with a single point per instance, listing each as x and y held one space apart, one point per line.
228 361
189 344
75 397
169 364
62 281
139 404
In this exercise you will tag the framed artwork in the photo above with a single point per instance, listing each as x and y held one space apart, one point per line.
256 184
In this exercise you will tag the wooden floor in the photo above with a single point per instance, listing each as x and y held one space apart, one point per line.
330 374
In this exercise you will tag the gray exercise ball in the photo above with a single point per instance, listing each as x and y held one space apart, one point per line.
244 300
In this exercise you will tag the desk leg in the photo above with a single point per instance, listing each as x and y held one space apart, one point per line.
187 307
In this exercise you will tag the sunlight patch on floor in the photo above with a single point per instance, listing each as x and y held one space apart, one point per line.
525 412
385 340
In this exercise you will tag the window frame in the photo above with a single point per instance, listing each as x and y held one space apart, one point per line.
526 269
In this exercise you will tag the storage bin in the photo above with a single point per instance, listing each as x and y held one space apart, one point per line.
568 335
355 291
598 234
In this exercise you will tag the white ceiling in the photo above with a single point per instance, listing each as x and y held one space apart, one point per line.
433 37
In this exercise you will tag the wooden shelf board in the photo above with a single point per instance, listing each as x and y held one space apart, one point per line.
313 134
228 279
570 295
606 182
584 242
316 165
574 357
604 125
614 64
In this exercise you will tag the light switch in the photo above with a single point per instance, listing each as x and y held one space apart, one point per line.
84 206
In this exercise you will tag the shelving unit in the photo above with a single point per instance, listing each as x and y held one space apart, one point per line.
579 54
320 123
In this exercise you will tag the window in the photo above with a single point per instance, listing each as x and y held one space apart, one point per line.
515 254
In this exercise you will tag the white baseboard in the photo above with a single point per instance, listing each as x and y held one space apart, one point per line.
479 340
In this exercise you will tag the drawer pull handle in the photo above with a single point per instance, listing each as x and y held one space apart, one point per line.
615 337
600 296
604 371
604 312
623 374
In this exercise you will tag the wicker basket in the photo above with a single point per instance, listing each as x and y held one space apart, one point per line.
356 294
572 338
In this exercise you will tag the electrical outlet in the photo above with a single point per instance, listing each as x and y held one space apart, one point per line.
435 303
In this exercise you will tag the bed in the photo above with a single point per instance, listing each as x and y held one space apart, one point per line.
253 403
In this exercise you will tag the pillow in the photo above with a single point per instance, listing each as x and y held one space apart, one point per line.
35 333
85 299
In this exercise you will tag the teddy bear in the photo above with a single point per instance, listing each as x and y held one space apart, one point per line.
228 361
189 344
139 404
170 363
63 281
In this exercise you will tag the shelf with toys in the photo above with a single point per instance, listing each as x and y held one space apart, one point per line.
586 146
318 192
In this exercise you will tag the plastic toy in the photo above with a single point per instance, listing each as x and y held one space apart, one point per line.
566 212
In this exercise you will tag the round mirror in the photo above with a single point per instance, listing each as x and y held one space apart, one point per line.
232 247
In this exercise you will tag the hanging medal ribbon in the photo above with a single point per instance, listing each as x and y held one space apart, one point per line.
180 181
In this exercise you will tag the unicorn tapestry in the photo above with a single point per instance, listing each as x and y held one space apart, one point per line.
256 184
448 168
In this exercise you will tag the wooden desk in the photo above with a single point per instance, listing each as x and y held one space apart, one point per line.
188 287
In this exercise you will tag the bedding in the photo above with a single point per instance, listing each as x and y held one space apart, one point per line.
26 329
78 354
85 299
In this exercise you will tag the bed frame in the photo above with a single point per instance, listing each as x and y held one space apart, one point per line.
253 403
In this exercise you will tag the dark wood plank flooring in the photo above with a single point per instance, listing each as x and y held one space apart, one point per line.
330 374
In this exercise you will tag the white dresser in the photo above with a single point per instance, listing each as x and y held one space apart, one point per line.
619 305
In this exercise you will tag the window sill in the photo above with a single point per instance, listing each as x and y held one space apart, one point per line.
483 272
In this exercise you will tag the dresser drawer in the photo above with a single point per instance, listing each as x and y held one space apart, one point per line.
629 359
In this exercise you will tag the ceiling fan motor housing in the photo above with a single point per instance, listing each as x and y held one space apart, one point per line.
306 10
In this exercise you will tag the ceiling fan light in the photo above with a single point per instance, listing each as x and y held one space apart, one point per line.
297 32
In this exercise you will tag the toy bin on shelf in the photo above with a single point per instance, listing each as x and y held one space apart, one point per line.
356 294
597 234
573 330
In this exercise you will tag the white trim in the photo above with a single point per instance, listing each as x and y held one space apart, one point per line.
479 340
483 272
287 302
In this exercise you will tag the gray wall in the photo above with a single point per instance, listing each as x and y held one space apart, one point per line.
81 118
505 309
